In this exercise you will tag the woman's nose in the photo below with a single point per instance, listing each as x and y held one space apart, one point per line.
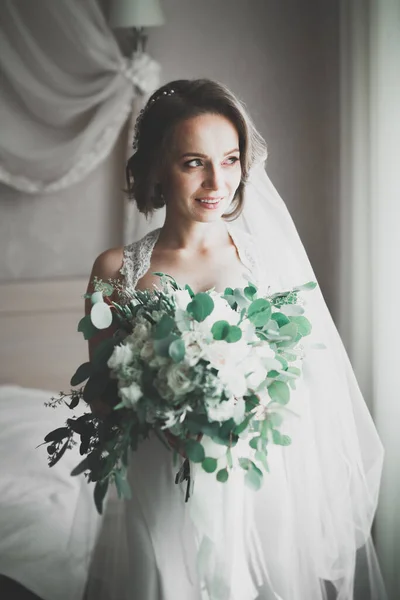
214 179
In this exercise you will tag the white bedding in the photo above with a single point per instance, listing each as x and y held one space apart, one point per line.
48 522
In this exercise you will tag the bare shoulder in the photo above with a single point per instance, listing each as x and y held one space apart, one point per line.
107 265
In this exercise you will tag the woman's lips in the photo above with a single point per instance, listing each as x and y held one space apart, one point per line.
209 203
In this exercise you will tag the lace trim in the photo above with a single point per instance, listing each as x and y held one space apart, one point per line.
247 250
137 258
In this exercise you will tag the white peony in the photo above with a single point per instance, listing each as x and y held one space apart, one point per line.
122 356
130 395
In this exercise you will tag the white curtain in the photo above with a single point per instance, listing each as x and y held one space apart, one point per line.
66 91
370 215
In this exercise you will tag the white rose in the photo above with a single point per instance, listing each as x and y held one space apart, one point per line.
178 380
130 395
122 356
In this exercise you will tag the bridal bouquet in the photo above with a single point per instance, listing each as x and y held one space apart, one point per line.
188 365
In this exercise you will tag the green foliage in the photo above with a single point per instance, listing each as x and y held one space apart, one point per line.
176 350
303 325
86 327
194 451
280 318
209 464
279 392
164 327
222 475
201 306
259 312
82 373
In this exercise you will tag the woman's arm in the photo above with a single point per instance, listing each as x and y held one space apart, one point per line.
107 265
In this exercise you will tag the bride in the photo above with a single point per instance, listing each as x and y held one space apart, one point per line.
306 534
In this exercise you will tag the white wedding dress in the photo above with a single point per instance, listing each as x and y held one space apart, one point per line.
228 542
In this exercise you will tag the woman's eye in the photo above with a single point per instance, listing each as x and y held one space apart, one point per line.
196 162
232 160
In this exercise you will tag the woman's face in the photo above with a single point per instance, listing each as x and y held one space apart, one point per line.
203 169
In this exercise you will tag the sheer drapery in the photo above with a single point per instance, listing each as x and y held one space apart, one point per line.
370 208
66 92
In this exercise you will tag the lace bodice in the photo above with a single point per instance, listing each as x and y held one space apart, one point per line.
137 256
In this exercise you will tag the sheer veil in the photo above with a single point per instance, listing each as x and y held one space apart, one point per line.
329 478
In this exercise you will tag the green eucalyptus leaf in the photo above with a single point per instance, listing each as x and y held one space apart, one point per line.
280 318
161 347
250 291
240 298
86 327
97 297
259 312
234 334
311 285
292 310
275 419
303 324
228 291
253 478
245 463
222 475
164 327
176 350
280 439
58 434
209 464
194 451
81 374
220 330
101 315
256 442
279 392
201 306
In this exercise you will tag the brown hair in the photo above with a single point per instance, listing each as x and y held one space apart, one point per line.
175 102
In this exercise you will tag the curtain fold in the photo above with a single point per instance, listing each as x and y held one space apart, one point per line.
370 218
66 92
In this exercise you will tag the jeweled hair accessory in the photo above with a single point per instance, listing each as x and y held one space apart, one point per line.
150 103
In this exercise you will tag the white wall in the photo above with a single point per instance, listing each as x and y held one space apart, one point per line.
281 58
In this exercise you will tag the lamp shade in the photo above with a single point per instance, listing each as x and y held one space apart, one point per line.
135 13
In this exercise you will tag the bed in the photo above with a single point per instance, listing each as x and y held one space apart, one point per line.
48 523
